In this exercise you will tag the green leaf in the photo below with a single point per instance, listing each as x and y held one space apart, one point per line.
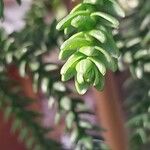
81 88
64 54
75 44
101 67
49 67
8 44
85 124
59 86
74 135
9 57
88 51
108 60
80 78
34 65
99 35
84 66
89 76
70 120
84 71
68 70
116 7
57 118
67 20
69 30
82 6
44 84
142 134
113 22
65 103
87 141
22 69
109 45
83 22
99 81
65 51
97 78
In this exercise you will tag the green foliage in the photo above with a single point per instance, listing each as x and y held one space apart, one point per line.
91 49
136 46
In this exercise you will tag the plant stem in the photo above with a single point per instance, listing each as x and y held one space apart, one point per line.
111 116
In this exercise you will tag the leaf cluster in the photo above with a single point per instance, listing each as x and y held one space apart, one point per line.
91 49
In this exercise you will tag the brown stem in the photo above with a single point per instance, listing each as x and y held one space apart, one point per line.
111 116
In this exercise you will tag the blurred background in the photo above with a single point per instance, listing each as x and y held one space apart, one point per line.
39 112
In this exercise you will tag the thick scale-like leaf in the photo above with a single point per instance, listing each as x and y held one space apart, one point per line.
108 60
81 88
84 66
110 45
82 6
101 67
88 51
99 35
67 20
68 70
99 80
111 20
83 22
75 42
115 6
70 45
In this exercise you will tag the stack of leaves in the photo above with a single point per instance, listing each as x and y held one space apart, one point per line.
91 49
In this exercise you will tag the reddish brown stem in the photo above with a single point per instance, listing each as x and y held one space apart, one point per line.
110 114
